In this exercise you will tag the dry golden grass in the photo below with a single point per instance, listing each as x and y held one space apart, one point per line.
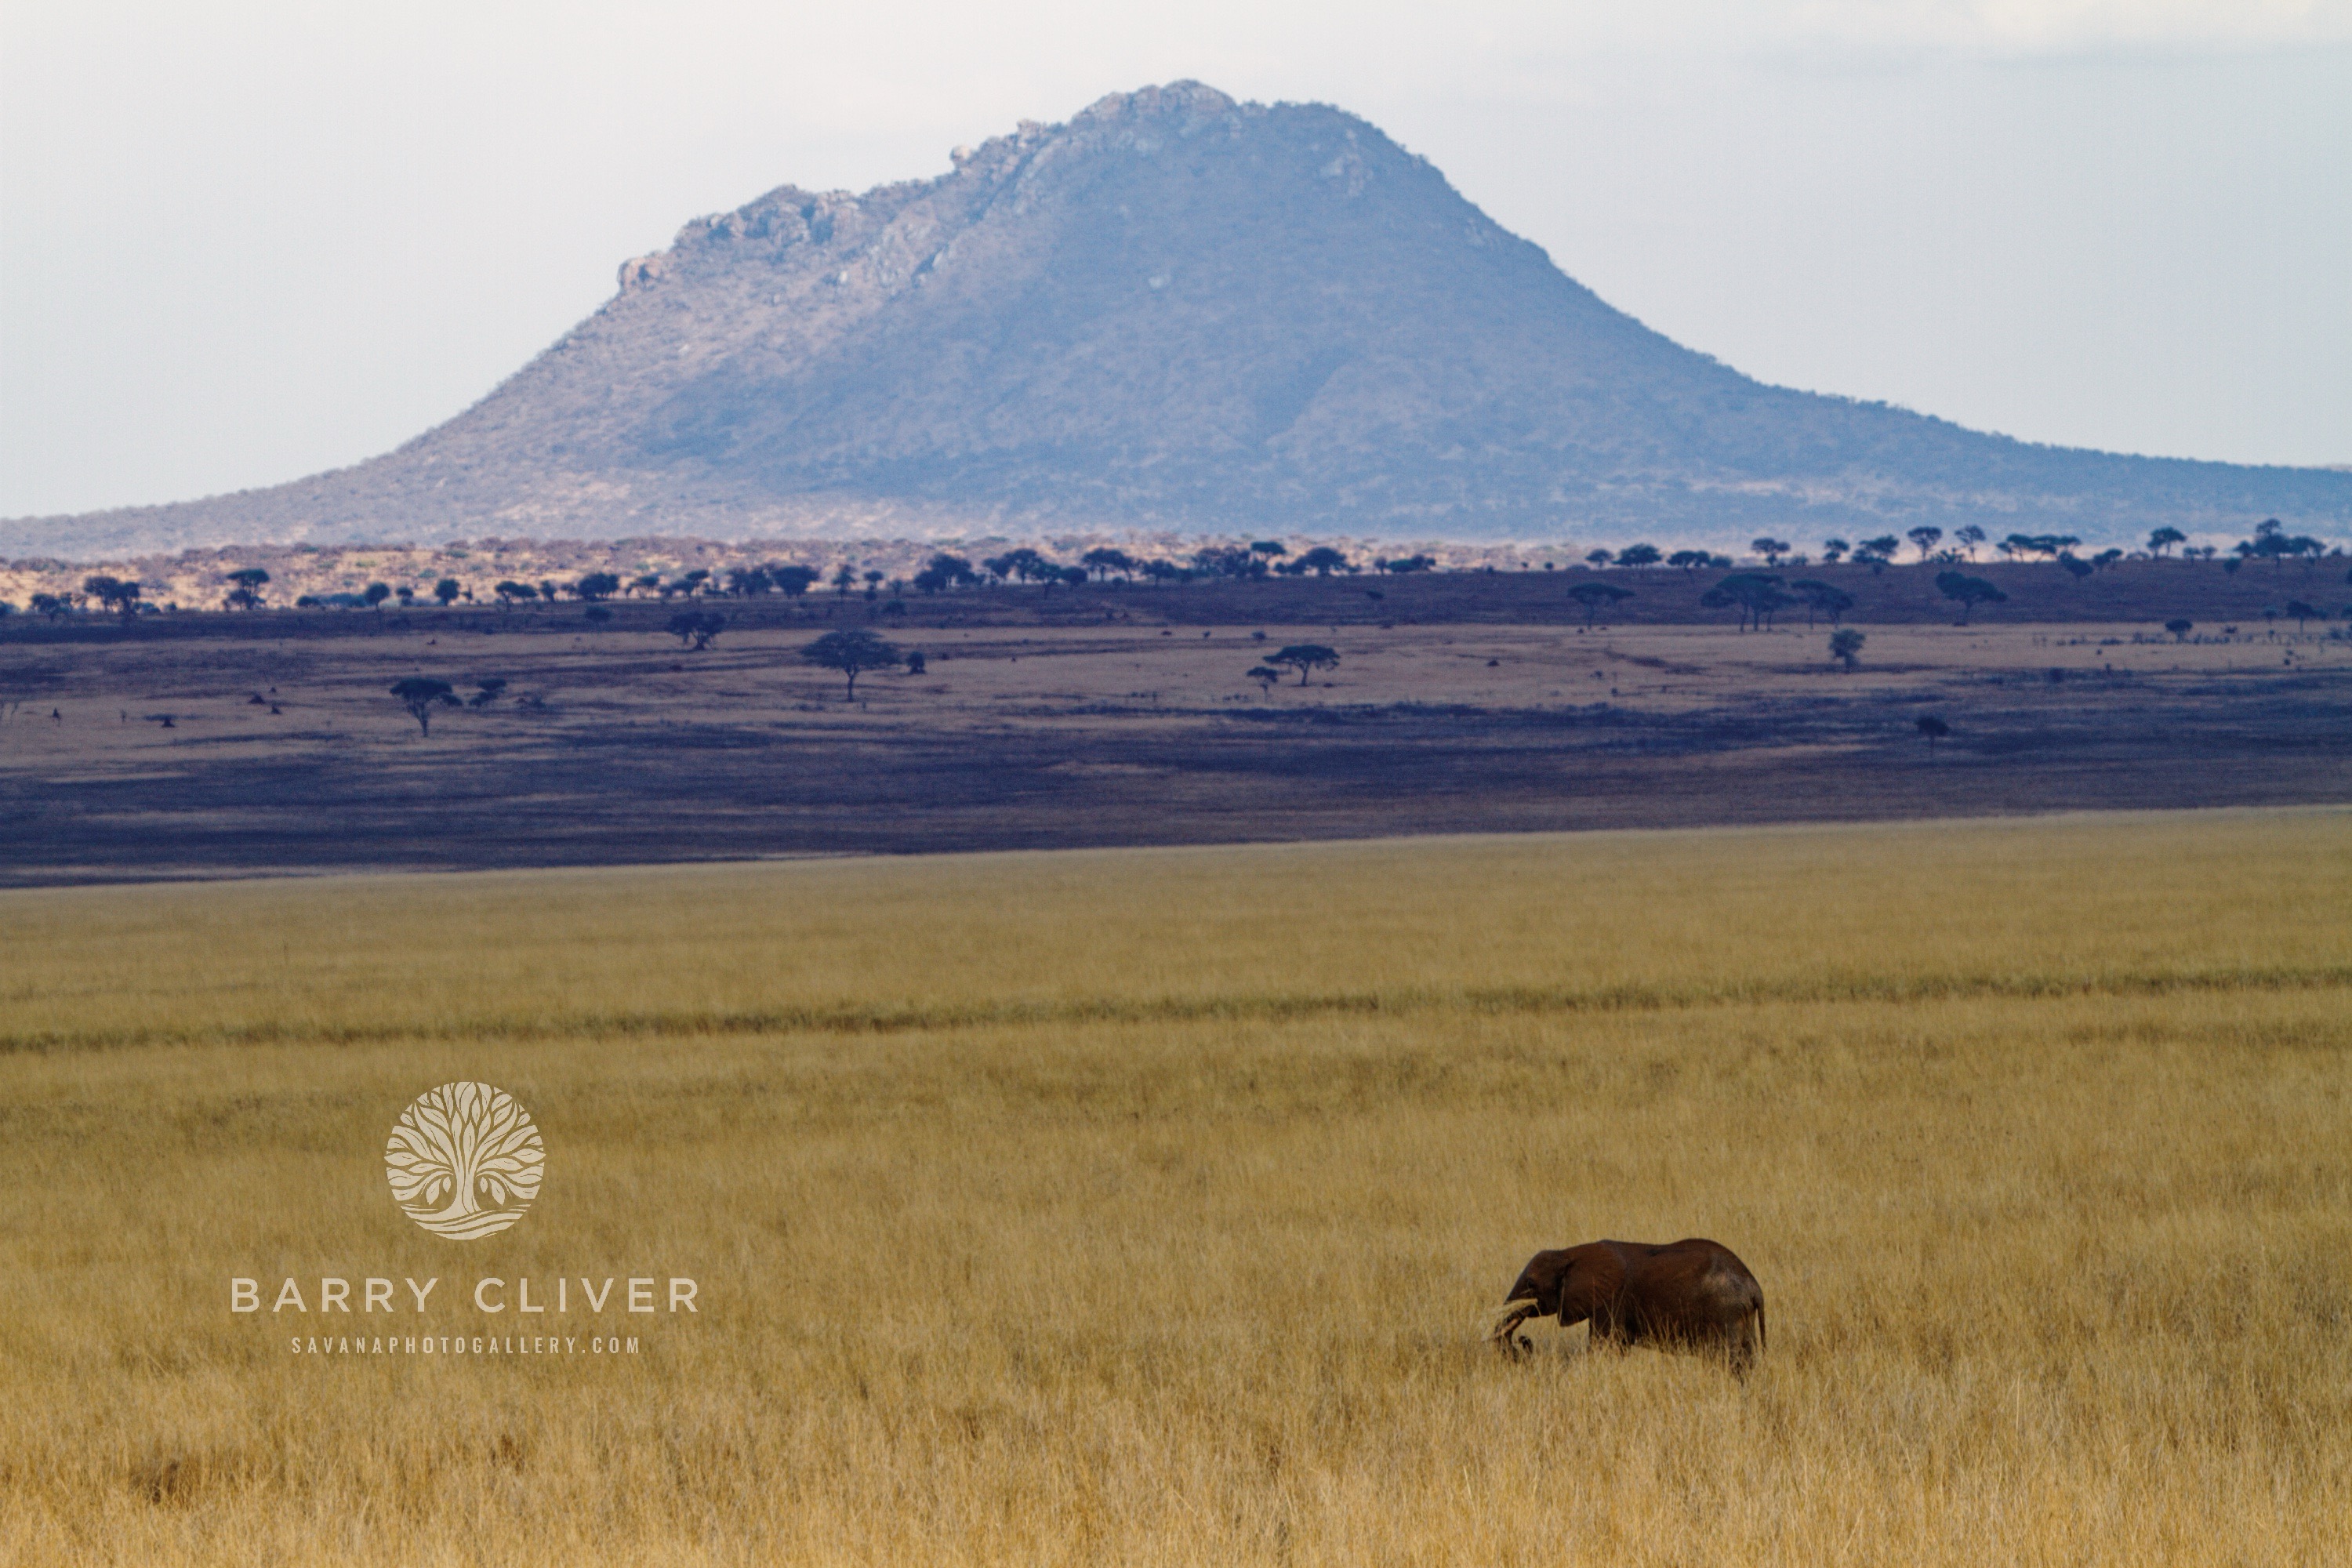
1149 1206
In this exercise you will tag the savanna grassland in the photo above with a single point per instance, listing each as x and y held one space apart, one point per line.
1150 1205
200 746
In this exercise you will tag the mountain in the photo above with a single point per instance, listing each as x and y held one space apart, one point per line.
1173 312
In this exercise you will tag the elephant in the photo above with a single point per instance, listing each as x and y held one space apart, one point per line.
1691 1294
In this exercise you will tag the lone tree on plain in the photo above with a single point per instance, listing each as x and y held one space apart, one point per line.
420 694
1598 596
694 628
853 653
246 594
1266 677
2301 612
1969 592
1306 657
1846 647
2180 626
1934 728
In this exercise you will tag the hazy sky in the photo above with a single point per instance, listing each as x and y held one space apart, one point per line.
248 239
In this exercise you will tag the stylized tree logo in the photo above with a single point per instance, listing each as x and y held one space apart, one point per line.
465 1160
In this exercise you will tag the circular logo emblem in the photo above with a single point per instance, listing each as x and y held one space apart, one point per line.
465 1160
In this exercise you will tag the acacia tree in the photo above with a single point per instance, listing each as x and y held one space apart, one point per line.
2163 539
1306 657
446 590
1967 538
1821 599
1756 594
246 594
113 594
1107 561
1846 647
1266 677
1934 728
1876 554
694 628
1969 592
2180 626
853 653
1925 537
420 694
1598 596
1770 548
464 1143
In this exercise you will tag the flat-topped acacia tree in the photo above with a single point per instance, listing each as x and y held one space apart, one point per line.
1306 657
420 694
1969 591
853 653
1598 596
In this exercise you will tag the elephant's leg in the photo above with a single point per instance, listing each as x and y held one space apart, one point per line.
1745 1341
1501 1337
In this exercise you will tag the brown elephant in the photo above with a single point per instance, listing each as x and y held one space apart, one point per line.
1689 1294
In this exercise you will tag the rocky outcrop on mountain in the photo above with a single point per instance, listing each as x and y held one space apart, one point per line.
1174 311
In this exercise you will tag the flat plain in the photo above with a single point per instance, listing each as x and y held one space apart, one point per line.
1150 1204
203 745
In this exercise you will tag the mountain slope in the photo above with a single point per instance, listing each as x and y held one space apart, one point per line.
1174 311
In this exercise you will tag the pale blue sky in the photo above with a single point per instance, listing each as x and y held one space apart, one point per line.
242 245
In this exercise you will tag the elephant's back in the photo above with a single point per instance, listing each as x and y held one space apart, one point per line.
1698 1273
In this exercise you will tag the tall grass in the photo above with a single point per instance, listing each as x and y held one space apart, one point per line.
1149 1206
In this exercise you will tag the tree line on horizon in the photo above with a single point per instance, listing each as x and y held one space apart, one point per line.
1261 559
